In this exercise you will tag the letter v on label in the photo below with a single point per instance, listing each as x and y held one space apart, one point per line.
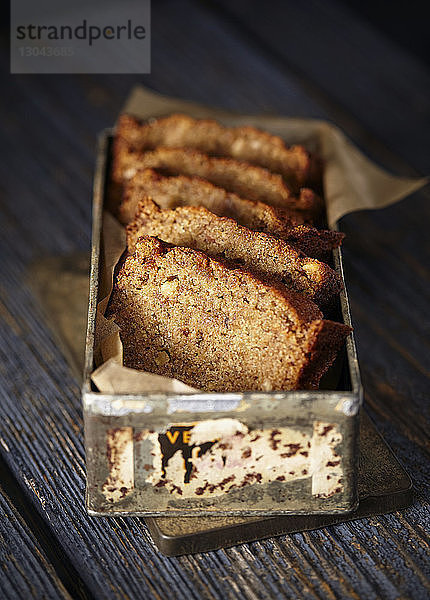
172 436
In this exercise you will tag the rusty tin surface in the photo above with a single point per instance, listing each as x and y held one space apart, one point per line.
249 454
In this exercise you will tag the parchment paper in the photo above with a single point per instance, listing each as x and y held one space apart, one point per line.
351 182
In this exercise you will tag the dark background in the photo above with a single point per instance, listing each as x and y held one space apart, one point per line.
404 23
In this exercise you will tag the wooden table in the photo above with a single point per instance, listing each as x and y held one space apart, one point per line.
313 59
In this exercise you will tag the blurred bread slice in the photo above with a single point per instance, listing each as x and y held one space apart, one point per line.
243 179
246 144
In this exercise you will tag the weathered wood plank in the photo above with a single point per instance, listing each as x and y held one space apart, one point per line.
25 571
49 127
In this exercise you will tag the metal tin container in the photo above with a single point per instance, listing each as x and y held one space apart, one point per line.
249 454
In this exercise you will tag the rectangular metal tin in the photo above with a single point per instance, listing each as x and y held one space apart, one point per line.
308 439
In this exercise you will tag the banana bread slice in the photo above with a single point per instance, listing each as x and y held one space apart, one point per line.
184 315
262 254
249 181
181 190
171 192
244 143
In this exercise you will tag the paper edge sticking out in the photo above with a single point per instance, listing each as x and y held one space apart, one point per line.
117 379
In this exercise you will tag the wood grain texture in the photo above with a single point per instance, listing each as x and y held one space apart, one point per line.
49 127
26 572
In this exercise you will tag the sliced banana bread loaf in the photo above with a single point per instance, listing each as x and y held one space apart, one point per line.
244 143
262 254
184 315
171 192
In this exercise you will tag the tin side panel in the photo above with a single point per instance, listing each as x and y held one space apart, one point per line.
238 462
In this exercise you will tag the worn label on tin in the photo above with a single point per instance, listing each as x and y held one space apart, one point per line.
213 457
